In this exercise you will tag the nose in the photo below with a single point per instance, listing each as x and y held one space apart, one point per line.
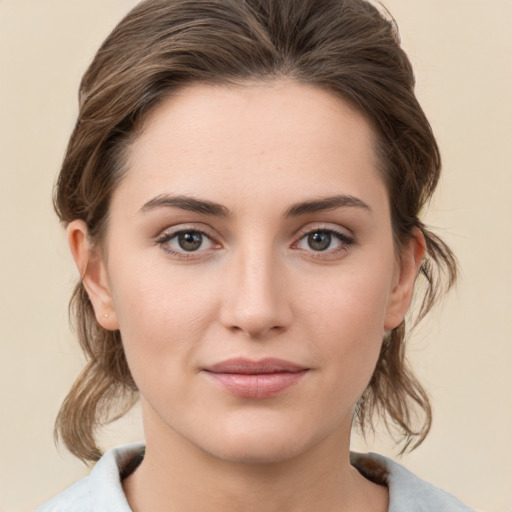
255 296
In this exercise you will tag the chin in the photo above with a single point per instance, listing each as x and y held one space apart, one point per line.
262 444
256 452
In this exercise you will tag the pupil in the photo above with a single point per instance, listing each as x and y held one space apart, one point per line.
190 241
319 241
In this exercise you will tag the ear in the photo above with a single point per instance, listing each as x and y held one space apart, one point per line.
409 265
93 274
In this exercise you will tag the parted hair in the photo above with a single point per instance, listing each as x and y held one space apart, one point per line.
349 47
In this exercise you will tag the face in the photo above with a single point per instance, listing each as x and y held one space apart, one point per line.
249 265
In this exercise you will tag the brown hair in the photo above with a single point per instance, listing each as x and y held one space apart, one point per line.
345 46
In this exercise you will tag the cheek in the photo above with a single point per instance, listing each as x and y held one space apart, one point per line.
162 312
351 301
345 324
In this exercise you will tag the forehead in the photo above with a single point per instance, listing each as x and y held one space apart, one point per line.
232 140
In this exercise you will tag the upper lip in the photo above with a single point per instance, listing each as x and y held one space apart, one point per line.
249 367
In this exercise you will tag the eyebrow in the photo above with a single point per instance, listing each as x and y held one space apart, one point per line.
205 207
326 203
186 203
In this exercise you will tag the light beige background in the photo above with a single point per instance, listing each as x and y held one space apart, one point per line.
461 50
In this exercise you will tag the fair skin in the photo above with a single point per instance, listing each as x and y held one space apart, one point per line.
252 223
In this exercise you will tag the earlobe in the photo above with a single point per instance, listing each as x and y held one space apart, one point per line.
92 269
409 266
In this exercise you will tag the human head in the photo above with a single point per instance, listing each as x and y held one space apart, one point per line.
345 46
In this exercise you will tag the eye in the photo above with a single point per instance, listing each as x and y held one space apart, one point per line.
191 241
319 241
324 241
185 242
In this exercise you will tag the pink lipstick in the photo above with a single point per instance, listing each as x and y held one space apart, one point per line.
255 379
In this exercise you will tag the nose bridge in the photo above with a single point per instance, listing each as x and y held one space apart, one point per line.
256 303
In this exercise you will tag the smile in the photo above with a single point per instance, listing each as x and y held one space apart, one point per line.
255 379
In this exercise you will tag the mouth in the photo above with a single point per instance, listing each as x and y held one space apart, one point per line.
245 378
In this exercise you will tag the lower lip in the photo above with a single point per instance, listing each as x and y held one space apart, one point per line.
263 385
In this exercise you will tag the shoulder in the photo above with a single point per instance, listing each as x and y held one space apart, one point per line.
407 492
102 489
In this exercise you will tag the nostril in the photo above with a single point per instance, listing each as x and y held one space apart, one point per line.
256 328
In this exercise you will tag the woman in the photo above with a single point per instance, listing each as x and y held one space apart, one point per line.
242 194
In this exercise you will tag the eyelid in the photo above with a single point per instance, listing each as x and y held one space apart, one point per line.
187 226
343 233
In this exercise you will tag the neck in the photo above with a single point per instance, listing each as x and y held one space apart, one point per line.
176 475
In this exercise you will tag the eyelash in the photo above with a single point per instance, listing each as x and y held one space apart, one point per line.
344 240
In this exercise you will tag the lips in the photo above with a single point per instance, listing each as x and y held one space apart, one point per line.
255 379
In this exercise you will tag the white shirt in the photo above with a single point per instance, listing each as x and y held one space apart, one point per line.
102 490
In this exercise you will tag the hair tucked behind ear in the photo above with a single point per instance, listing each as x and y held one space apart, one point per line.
103 392
394 394
345 46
